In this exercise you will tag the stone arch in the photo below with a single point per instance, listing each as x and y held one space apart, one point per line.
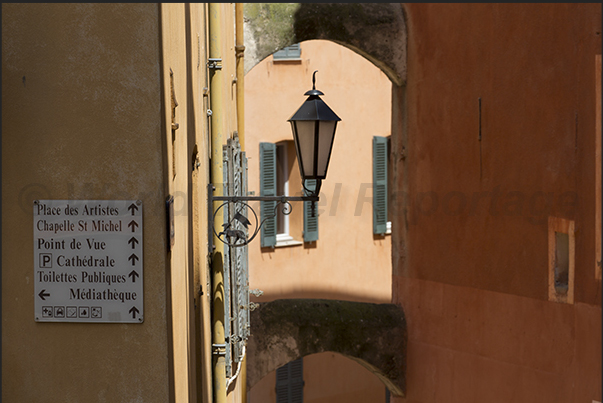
376 31
374 335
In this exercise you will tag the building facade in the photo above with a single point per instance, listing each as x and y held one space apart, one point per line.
109 102
497 263
496 150
345 257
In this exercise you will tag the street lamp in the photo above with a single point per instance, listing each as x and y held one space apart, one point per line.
313 127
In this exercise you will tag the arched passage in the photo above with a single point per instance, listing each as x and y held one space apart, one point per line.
376 31
374 335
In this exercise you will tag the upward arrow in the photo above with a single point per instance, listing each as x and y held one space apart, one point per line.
133 275
133 258
132 207
133 241
134 311
133 224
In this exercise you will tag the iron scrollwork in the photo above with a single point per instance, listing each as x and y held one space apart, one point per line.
235 237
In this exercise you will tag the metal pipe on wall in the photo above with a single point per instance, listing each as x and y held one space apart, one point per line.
240 53
217 129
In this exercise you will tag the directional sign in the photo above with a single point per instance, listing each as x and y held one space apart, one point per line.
88 261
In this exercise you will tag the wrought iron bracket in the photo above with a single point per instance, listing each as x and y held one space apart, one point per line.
237 238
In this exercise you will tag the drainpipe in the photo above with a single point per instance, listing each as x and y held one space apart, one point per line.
240 52
217 128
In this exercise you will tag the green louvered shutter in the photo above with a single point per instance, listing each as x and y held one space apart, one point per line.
268 188
310 223
379 185
290 382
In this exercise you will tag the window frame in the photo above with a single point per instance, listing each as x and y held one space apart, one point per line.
563 226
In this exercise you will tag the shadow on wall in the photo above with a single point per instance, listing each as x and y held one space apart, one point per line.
376 31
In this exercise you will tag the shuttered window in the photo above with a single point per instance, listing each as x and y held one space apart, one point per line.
379 185
292 52
310 222
290 382
268 188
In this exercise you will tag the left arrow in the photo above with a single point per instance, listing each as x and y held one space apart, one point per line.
43 294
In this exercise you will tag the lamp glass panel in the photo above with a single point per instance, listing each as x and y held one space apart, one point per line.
325 142
305 140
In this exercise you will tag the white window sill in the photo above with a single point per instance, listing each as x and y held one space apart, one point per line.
286 240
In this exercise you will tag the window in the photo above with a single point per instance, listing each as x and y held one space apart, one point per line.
290 382
310 217
282 189
292 52
381 221
268 188
561 260
279 176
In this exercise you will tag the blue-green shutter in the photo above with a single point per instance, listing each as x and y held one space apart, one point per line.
290 382
379 185
268 188
292 52
310 223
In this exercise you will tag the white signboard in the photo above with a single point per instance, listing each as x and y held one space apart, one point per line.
88 261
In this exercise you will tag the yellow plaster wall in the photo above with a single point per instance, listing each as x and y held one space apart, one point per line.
347 262
185 47
173 25
87 95
81 119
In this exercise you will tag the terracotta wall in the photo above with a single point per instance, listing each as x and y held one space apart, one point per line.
533 66
471 267
347 262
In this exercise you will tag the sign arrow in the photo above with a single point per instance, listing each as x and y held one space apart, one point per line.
133 241
43 294
133 258
133 274
133 224
132 207
133 311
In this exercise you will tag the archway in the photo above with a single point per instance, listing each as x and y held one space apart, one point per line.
378 33
324 376
374 335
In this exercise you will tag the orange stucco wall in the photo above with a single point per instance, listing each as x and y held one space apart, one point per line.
471 268
328 378
347 262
